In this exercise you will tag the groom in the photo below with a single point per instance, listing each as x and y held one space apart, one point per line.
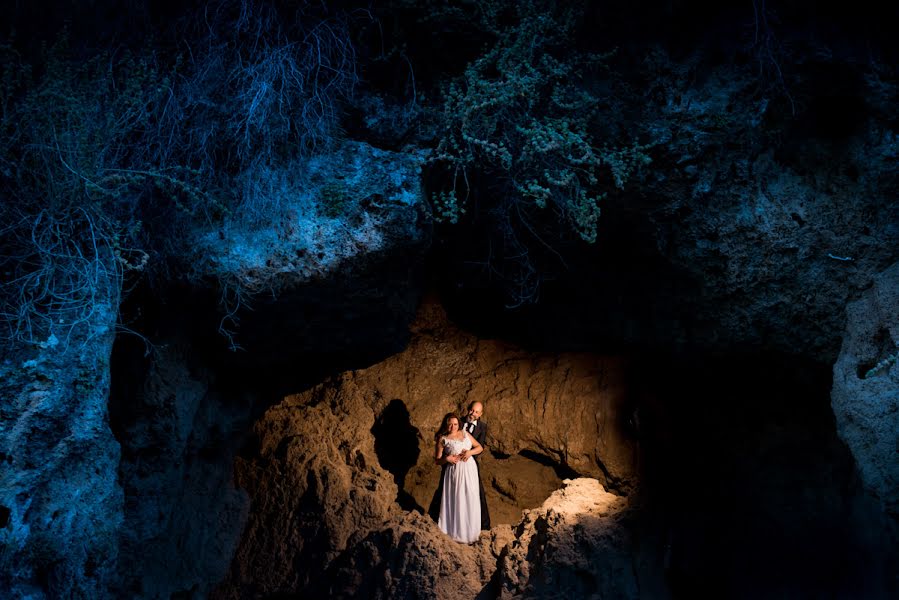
473 424
478 429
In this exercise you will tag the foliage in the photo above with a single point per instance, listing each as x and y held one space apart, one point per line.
333 199
523 115
523 110
108 159
883 365
259 88
70 227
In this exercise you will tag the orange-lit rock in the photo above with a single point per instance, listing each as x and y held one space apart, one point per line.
572 408
315 488
571 547
323 517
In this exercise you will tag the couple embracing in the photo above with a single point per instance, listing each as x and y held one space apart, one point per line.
459 505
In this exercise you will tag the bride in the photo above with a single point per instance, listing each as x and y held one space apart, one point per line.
460 504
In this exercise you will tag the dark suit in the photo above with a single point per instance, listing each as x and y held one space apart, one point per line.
480 434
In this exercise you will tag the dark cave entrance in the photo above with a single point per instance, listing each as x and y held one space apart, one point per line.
744 484
746 488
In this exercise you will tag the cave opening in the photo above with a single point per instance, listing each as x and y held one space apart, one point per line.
735 465
745 484
271 420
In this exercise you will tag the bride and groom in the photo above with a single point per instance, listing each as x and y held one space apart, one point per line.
459 505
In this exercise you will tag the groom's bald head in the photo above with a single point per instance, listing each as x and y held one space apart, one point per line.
475 410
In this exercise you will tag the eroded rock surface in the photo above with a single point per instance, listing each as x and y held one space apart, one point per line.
865 396
339 249
324 522
571 547
570 408
60 500
773 219
177 475
324 517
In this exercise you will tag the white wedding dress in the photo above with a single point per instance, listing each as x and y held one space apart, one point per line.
460 505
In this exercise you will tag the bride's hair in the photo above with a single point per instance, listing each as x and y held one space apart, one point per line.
444 425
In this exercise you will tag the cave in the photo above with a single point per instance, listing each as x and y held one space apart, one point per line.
258 256
727 466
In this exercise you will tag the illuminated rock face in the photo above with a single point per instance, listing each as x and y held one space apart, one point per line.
60 499
315 488
571 547
324 517
571 409
865 396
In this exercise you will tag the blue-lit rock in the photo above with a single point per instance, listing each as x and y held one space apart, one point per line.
59 468
865 396
333 271
337 262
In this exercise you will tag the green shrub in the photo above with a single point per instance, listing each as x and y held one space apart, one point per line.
523 113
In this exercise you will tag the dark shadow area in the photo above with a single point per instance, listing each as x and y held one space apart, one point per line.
562 470
747 490
396 444
182 403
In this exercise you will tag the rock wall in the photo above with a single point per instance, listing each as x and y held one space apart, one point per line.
865 396
340 263
177 436
61 505
752 227
324 517
775 218
570 408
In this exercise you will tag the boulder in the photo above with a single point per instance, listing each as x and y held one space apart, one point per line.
573 546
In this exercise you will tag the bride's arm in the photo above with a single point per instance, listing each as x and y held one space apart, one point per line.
438 450
439 458
476 448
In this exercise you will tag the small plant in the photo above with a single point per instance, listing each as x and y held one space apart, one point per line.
883 365
333 199
446 206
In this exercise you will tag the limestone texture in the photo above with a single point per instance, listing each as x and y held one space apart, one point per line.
573 546
61 502
341 285
865 395
325 214
328 466
569 408
177 476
